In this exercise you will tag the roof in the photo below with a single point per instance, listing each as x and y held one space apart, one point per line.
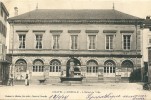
3 6
147 23
74 14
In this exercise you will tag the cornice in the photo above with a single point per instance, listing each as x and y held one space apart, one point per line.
76 21
83 55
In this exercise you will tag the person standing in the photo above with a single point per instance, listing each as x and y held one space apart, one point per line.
11 80
26 80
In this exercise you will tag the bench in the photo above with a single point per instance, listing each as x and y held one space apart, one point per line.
42 81
71 79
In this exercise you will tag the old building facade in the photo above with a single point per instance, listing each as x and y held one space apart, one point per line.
102 43
4 63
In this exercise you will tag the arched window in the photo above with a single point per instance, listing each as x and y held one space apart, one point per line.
92 66
109 67
127 65
21 65
38 66
55 66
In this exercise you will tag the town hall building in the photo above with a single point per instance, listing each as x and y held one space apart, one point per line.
102 44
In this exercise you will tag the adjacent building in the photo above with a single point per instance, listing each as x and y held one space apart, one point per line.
4 61
147 49
103 44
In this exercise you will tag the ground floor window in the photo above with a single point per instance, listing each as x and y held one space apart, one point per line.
38 66
55 66
92 66
109 67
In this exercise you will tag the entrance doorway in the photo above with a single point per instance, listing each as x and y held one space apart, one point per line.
20 69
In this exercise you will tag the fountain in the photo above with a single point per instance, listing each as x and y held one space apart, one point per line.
73 71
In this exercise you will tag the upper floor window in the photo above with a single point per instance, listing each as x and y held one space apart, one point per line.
5 18
1 49
56 41
92 40
38 41
109 42
126 42
149 40
74 42
1 12
22 41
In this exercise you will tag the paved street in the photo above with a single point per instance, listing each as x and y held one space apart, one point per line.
86 91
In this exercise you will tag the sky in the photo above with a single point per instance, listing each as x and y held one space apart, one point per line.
139 8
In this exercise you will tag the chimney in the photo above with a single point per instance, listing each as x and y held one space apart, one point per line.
148 17
16 11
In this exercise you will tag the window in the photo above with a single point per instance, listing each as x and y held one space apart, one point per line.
38 41
109 67
55 41
126 42
22 41
74 42
38 66
92 42
92 66
5 17
149 40
109 42
55 66
1 49
1 12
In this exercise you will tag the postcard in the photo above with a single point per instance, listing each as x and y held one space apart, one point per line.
75 50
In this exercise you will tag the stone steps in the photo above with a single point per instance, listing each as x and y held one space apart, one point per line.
35 80
19 82
96 80
55 80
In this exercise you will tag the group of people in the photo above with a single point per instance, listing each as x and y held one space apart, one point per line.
11 80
